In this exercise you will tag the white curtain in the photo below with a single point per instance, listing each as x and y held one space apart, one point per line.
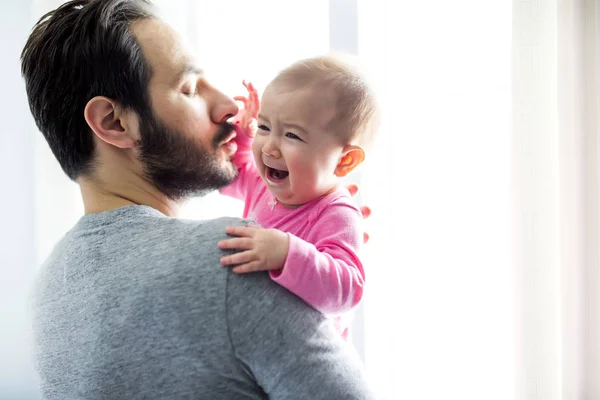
555 170
485 279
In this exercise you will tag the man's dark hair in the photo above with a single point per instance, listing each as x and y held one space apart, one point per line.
83 49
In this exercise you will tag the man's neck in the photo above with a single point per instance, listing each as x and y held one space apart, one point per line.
98 197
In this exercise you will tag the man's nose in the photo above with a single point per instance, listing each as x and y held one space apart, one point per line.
224 107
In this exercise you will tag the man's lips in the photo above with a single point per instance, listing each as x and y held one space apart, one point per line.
229 145
229 138
224 134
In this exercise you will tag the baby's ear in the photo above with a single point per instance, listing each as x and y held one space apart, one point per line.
352 157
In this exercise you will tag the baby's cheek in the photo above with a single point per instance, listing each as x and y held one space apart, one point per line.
256 152
256 146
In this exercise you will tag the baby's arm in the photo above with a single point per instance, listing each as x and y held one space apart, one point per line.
245 127
327 273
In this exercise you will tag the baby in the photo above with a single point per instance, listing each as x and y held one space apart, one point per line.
317 120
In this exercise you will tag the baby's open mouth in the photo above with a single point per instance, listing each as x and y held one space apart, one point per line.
276 174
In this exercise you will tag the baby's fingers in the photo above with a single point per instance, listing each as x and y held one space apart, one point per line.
242 243
238 258
253 266
245 231
253 101
365 211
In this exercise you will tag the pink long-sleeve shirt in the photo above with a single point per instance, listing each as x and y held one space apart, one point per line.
322 266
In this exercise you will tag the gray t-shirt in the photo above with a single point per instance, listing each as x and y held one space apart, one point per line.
132 304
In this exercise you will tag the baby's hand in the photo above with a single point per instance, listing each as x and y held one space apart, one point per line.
364 210
265 249
246 117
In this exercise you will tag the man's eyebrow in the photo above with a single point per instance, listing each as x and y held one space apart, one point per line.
187 69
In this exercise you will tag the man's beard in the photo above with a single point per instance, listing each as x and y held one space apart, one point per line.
181 167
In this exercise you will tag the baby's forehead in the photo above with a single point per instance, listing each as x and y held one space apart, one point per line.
313 97
309 103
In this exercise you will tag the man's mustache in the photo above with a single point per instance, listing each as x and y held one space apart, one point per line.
224 130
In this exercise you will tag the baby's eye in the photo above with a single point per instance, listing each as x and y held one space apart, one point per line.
263 128
292 136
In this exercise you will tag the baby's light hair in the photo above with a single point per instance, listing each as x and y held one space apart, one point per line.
357 117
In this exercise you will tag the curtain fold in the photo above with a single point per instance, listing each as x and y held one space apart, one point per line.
555 161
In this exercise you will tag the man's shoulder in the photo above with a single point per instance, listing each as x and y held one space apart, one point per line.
255 303
184 242
138 243
201 229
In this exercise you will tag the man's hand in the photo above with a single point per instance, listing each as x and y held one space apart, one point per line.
365 210
264 249
246 117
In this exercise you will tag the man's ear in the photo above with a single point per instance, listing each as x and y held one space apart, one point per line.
352 157
110 122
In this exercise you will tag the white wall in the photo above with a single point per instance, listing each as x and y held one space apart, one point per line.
17 247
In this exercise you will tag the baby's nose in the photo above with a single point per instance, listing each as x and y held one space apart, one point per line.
271 150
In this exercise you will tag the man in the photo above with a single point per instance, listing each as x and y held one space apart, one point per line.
133 302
